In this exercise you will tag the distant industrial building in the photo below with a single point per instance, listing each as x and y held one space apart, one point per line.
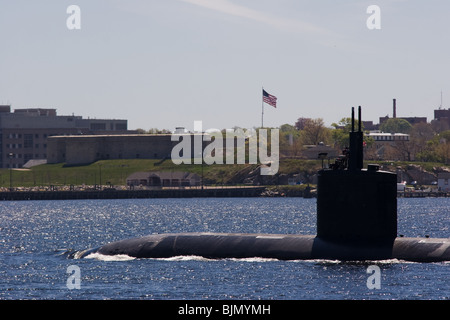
442 114
370 126
24 133
441 119
411 120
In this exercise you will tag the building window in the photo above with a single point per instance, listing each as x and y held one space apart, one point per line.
98 126
28 141
121 126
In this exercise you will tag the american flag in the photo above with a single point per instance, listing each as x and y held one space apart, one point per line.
269 99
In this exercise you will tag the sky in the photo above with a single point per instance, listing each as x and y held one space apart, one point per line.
167 63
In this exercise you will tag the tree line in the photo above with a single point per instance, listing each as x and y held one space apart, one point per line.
428 142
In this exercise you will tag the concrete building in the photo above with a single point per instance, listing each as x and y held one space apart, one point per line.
164 179
84 149
444 181
24 132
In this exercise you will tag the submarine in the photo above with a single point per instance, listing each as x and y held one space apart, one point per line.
356 221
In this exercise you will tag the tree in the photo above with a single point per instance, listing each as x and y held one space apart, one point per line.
314 131
396 125
301 122
419 136
440 147
443 152
420 145
341 131
291 140
287 128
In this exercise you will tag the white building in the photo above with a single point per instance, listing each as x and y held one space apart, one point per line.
388 137
392 146
444 181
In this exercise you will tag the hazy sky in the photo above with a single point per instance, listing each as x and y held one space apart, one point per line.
167 63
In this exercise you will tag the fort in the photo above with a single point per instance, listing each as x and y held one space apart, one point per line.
201 147
84 149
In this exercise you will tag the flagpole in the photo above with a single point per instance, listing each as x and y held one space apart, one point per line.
262 108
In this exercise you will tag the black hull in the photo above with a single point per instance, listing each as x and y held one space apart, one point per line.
276 246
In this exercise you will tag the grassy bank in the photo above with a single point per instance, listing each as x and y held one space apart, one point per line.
105 172
115 172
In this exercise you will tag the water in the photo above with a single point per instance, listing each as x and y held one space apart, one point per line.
37 237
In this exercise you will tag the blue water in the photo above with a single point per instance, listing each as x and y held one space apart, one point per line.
36 237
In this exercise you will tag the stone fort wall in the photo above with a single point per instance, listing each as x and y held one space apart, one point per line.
84 149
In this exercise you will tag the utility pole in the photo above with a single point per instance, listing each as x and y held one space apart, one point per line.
10 155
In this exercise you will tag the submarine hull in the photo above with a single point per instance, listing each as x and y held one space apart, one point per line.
276 246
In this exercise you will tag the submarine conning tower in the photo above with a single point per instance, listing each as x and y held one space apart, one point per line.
356 206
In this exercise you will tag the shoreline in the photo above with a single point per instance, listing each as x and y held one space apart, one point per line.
207 192
131 194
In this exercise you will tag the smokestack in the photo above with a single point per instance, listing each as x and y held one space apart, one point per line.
395 109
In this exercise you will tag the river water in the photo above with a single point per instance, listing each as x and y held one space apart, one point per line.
37 237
